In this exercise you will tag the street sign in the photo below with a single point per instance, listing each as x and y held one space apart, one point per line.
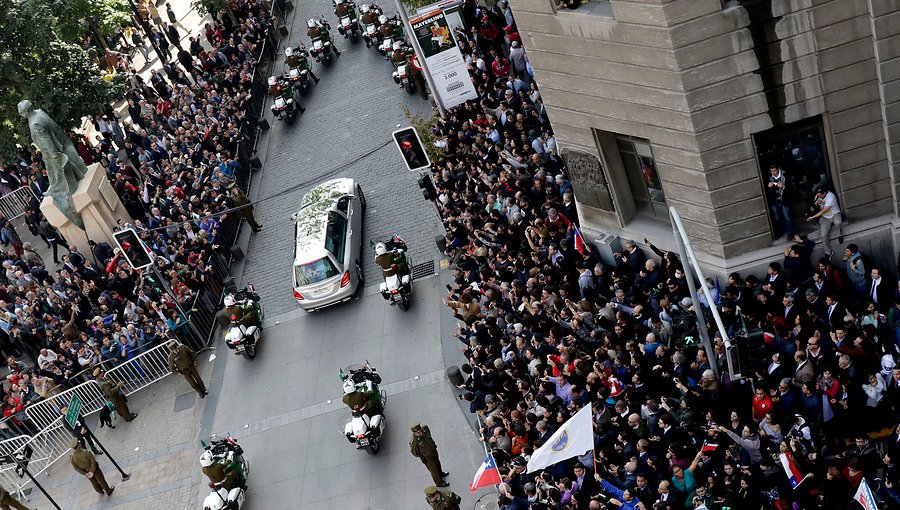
414 61
133 248
411 148
73 410
23 458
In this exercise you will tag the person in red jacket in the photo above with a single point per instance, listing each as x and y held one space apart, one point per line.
762 404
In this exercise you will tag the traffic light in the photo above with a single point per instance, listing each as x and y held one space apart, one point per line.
427 185
134 250
411 148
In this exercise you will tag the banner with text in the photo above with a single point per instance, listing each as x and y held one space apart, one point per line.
443 59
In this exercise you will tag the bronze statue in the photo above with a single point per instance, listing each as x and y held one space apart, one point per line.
64 165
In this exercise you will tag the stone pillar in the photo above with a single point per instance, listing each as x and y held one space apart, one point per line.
100 209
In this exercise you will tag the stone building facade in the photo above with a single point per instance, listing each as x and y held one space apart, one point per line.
687 103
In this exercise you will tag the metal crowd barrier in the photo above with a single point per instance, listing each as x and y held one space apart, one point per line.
48 446
138 373
14 204
8 477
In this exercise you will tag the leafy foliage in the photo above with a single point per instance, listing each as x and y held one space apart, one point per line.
37 64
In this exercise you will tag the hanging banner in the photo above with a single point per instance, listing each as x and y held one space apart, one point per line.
443 59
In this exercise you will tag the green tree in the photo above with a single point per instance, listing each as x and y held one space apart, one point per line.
70 19
57 76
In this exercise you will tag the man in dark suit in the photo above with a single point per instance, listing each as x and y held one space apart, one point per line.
790 310
879 291
834 312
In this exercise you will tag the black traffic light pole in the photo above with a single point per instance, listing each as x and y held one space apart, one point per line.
125 476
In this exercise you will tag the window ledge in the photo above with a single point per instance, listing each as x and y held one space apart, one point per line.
590 8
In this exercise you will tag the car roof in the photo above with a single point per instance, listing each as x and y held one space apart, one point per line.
311 220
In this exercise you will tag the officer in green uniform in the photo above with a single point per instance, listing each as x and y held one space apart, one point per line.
113 393
344 8
369 17
182 361
421 445
228 475
441 500
85 464
296 59
7 501
317 31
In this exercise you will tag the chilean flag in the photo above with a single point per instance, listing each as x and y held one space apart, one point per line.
790 469
864 496
579 241
486 475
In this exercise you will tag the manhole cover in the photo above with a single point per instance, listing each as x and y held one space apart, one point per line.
186 401
487 502
423 270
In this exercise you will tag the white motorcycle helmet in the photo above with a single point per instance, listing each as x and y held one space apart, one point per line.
382 19
380 249
311 23
364 8
272 81
229 299
349 387
289 52
398 45
206 459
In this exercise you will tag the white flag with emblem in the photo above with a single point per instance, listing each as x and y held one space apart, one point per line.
575 437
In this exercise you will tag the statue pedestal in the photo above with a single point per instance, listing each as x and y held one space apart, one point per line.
100 209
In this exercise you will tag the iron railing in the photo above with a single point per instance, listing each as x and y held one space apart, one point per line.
15 203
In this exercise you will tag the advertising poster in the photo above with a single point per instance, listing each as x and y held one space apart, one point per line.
443 59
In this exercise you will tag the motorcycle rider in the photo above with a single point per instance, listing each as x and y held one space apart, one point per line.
345 8
357 395
296 59
228 475
318 31
279 89
369 17
389 27
388 255
400 54
248 315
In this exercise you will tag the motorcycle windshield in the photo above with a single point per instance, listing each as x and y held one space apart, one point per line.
345 21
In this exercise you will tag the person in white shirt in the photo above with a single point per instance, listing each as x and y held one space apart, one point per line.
829 215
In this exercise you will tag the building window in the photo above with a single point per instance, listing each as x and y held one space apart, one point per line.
643 178
800 151
589 7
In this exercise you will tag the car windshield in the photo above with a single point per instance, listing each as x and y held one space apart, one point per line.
314 272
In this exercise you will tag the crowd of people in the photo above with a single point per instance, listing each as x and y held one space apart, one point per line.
547 328
171 158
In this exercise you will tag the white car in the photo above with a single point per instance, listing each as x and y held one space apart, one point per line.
328 228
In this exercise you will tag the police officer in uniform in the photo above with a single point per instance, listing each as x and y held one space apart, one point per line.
7 501
85 464
389 28
441 500
236 312
238 198
369 17
182 360
317 31
421 445
345 8
113 393
296 59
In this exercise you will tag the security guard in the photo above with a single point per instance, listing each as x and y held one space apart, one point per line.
441 500
182 360
113 393
86 464
421 445
7 501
